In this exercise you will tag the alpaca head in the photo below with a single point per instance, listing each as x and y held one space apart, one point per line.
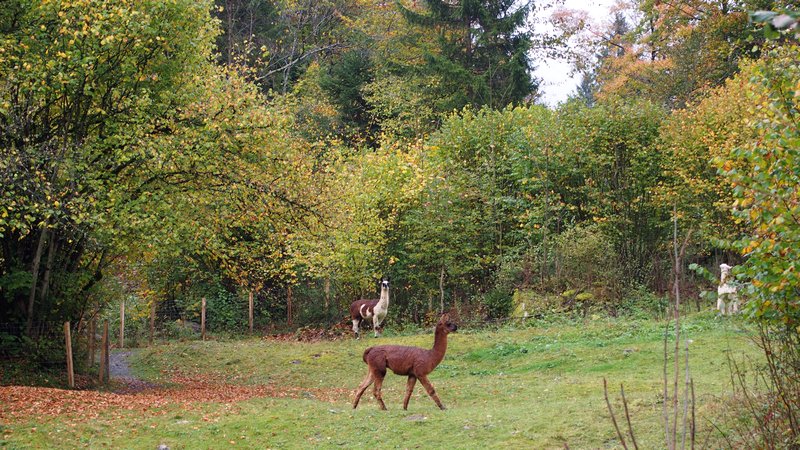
446 325
385 290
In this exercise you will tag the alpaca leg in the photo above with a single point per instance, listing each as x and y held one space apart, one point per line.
409 389
431 391
377 391
356 323
376 326
364 385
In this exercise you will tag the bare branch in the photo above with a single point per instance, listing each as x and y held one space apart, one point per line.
666 391
628 417
297 60
694 423
613 419
686 395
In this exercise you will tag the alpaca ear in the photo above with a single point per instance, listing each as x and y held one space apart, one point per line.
445 317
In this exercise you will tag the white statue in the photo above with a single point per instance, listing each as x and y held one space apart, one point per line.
727 297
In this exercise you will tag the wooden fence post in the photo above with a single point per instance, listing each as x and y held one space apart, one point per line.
152 320
70 369
122 324
108 352
90 353
250 316
203 319
104 357
101 373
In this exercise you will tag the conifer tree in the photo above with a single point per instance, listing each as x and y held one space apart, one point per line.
482 56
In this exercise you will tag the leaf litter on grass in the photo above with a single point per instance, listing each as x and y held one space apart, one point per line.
18 403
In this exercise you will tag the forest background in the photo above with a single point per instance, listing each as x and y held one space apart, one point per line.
165 151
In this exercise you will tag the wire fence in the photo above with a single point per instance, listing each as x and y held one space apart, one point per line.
47 352
136 322
52 353
40 353
42 345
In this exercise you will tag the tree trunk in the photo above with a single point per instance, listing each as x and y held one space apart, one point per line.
48 267
546 216
327 293
441 291
250 308
229 17
35 279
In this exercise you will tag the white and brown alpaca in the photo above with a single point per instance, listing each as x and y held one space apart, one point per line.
374 310
727 296
414 362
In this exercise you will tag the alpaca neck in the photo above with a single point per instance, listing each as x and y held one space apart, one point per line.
439 346
383 303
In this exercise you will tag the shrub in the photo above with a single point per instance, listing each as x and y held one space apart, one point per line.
643 304
498 303
587 263
534 304
226 311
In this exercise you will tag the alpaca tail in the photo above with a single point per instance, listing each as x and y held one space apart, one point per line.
366 352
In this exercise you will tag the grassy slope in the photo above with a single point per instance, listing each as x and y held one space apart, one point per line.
534 387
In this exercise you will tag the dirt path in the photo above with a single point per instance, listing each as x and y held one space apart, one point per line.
123 381
118 365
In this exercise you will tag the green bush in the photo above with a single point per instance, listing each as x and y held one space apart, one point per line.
643 304
498 303
226 311
535 304
179 329
587 263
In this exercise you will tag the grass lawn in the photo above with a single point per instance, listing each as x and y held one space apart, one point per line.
534 386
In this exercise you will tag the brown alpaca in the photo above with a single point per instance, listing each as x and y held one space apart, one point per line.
414 362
